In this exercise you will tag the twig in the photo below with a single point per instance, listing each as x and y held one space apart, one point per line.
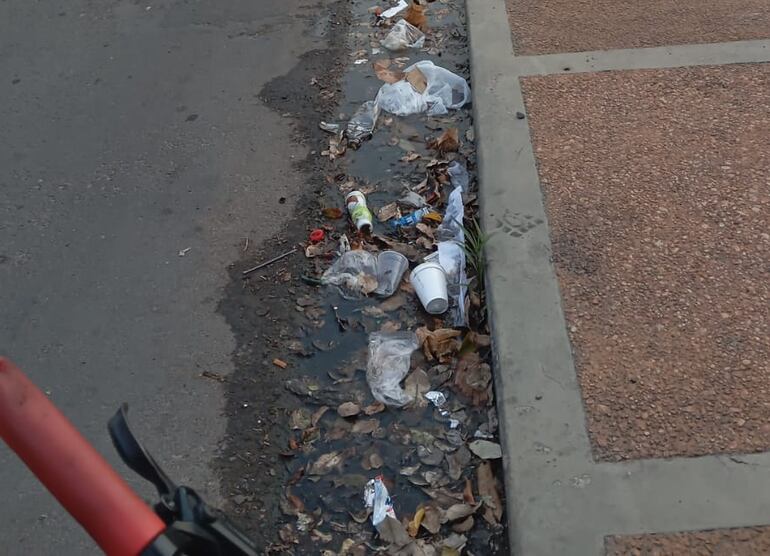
246 244
271 261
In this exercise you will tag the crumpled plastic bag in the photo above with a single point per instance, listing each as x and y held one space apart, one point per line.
403 35
458 176
354 274
443 91
361 125
388 364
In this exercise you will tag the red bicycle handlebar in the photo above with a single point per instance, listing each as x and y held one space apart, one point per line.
71 469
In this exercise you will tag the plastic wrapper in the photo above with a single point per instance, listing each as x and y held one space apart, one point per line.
361 125
443 91
451 241
377 497
458 176
354 274
403 35
388 364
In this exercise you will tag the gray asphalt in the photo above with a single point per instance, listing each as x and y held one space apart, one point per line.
130 133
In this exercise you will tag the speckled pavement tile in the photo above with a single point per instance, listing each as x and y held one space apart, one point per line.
547 26
658 196
749 541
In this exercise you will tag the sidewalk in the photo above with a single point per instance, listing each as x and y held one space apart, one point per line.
623 166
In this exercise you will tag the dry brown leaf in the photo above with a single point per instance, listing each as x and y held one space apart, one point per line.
463 526
417 80
431 521
296 502
393 303
415 15
438 344
372 460
326 463
468 493
472 378
387 212
393 532
458 511
333 213
488 491
365 426
300 419
425 229
425 243
348 409
376 407
381 68
448 142
318 414
416 385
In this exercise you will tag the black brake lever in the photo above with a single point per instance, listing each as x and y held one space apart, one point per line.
135 456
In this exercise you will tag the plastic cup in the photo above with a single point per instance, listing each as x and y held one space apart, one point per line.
429 281
390 269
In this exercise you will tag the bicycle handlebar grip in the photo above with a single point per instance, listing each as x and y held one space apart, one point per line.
71 469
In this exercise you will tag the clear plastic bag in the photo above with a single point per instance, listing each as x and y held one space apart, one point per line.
361 125
458 176
401 99
354 274
403 35
388 364
443 90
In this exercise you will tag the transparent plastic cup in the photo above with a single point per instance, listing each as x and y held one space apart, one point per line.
390 269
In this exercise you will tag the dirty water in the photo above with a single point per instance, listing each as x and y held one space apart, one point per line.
276 459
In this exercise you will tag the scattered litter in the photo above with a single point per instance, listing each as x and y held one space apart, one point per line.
329 127
486 449
361 125
388 364
443 90
184 251
391 267
411 219
436 398
377 499
403 35
429 282
360 61
316 236
359 212
271 261
280 363
354 274
327 463
413 199
395 10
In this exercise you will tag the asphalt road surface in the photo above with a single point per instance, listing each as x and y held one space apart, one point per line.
135 158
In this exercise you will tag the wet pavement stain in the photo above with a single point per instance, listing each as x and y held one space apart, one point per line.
295 463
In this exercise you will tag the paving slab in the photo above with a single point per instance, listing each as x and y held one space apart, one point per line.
720 542
547 26
658 201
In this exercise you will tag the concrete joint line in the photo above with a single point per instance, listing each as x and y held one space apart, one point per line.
739 52
560 501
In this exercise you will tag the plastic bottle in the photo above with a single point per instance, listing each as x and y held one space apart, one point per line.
411 219
359 212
